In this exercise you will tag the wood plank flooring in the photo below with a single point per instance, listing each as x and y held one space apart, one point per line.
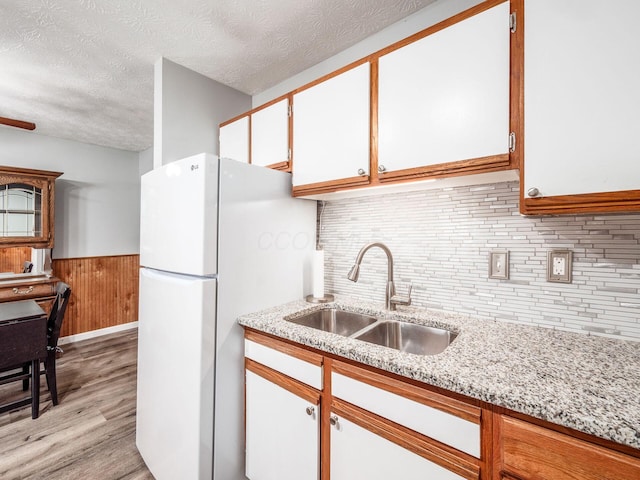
90 434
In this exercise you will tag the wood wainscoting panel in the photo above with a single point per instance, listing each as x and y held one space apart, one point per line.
12 258
104 291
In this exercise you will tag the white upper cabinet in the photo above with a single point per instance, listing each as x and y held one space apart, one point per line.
331 129
582 101
234 140
445 97
270 134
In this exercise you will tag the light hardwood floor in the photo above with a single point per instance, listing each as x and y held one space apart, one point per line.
90 434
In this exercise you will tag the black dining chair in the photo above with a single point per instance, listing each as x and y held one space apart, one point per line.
54 324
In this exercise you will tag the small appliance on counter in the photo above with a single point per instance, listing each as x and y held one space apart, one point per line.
218 239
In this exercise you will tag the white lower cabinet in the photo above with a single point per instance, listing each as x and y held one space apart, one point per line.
282 433
358 454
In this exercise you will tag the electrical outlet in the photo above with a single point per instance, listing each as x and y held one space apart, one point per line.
499 264
559 266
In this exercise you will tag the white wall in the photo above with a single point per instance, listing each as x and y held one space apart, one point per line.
97 204
428 16
145 161
188 107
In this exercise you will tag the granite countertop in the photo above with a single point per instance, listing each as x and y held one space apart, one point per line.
588 383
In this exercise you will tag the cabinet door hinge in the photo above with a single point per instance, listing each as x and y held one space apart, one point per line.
512 22
512 142
289 154
290 110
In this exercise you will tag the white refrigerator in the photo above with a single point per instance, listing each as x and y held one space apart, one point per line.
218 239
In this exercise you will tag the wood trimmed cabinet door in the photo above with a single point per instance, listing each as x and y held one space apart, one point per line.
581 97
282 410
270 136
443 100
282 432
331 133
525 451
234 139
359 453
382 428
27 199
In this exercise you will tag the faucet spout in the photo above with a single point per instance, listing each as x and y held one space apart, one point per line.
354 273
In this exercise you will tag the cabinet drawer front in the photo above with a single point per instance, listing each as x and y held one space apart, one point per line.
293 367
27 291
432 422
531 451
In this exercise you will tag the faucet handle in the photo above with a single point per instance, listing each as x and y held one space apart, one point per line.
402 299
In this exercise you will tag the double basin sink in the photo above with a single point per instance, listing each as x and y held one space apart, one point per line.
402 336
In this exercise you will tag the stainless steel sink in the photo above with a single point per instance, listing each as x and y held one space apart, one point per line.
334 321
408 337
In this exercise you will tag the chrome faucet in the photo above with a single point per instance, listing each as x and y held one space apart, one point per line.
391 299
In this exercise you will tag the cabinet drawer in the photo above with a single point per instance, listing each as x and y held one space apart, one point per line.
419 414
273 356
20 292
530 451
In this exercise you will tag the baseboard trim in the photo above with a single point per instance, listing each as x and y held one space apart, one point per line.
97 333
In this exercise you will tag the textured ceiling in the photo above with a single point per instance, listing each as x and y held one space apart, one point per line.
83 69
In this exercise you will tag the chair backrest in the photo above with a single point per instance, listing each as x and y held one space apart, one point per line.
54 323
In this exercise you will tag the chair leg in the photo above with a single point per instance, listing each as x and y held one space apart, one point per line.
50 368
35 389
25 382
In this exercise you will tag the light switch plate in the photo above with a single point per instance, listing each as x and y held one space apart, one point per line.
499 264
559 266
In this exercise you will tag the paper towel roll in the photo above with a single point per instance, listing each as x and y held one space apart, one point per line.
318 274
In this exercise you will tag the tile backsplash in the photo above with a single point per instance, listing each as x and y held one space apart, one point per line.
441 239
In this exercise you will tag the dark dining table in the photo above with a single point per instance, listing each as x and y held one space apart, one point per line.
23 341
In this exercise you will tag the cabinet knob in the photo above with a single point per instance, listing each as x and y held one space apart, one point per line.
333 420
381 168
533 192
310 411
361 171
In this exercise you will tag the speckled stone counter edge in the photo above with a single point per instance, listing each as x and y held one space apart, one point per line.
588 383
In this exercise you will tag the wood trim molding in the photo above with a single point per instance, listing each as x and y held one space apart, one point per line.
325 425
516 85
374 76
7 170
605 202
462 167
234 119
283 166
417 394
426 447
330 186
254 110
287 348
288 383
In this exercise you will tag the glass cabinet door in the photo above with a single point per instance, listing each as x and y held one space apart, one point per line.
20 210
26 207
